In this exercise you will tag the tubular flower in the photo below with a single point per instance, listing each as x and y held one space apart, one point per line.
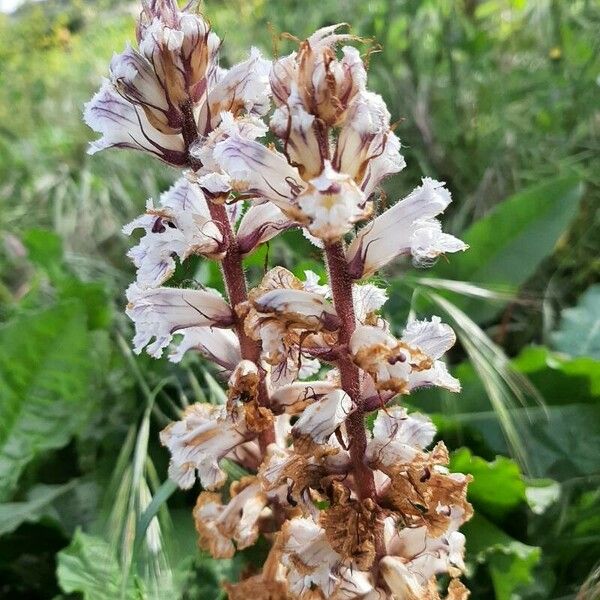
336 141
351 512
182 226
160 97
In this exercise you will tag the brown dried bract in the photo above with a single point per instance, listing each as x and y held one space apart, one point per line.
254 588
350 526
209 536
457 590
423 494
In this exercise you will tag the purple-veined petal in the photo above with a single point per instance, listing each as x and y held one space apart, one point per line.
405 228
160 312
197 443
124 125
320 419
259 224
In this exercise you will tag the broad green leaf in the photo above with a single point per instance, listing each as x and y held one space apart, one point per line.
563 442
560 379
508 244
93 296
39 504
509 561
89 566
45 369
497 486
579 331
44 248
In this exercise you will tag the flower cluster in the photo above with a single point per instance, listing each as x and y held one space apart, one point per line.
339 476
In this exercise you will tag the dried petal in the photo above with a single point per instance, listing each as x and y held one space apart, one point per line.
197 443
311 561
350 526
295 397
236 521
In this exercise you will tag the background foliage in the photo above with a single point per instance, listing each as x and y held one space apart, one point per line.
497 97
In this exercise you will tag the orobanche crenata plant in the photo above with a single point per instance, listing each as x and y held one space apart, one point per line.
339 479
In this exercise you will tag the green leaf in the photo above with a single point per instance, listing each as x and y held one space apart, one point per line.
563 442
89 566
93 295
509 561
44 248
45 369
508 244
579 331
497 486
560 379
39 504
164 492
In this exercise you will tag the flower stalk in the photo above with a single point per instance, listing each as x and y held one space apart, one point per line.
351 512
234 277
343 301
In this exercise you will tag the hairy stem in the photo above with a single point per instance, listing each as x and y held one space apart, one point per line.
233 271
341 288
237 291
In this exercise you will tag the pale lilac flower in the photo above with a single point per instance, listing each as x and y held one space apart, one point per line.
161 97
408 227
180 226
160 312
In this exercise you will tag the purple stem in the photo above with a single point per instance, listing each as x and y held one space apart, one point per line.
341 289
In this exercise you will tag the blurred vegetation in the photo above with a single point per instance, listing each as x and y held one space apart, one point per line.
499 98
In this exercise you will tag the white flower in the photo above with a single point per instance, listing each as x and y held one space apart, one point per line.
259 224
307 309
407 227
404 365
320 419
332 204
368 298
311 284
434 338
298 130
160 312
367 149
125 125
160 98
417 557
258 170
181 226
397 437
220 346
197 443
243 87
380 354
